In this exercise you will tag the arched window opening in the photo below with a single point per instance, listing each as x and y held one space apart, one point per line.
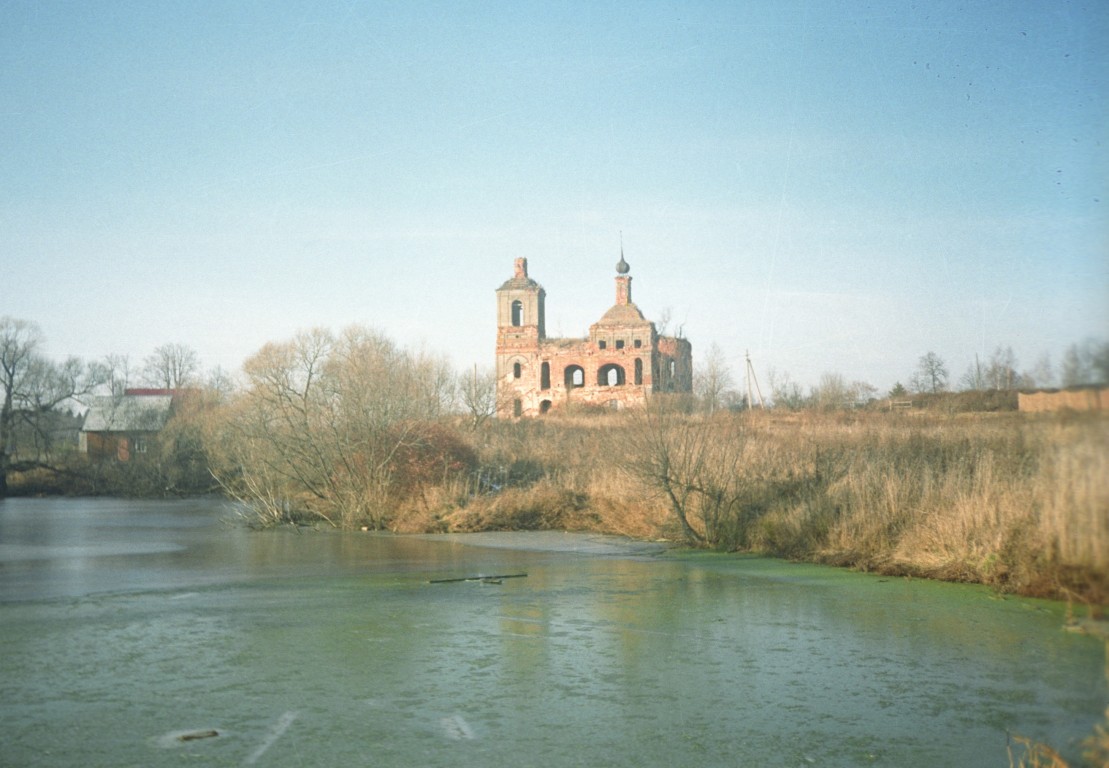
610 375
638 343
517 313
575 376
545 376
517 369
619 343
544 406
517 408
638 371
602 344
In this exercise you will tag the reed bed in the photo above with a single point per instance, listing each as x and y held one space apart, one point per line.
1016 501
1011 501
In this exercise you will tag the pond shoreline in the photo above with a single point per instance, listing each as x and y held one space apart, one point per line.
1086 590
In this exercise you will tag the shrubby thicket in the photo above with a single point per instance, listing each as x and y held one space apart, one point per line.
341 429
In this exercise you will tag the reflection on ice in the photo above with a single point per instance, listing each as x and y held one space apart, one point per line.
456 728
275 733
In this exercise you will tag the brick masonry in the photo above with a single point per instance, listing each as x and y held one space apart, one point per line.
621 364
1091 398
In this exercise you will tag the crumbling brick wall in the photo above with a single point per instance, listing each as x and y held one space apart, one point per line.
620 364
1094 398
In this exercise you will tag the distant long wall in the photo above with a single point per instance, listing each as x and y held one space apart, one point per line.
1079 399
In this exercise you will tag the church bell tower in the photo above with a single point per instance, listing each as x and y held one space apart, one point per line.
520 310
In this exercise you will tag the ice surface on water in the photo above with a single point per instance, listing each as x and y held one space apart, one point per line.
456 728
279 728
605 649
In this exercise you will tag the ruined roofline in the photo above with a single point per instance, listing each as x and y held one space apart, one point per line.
518 283
520 279
623 314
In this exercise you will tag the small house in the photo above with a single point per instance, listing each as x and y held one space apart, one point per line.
123 426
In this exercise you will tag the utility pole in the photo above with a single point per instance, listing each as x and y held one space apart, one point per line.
752 383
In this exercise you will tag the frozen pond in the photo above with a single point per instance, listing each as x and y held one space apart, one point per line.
142 633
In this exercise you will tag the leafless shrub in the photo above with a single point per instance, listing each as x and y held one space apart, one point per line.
334 427
695 463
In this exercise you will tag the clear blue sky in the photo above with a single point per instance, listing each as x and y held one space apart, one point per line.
835 186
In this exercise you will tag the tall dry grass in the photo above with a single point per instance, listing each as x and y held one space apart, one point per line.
1015 501
1008 500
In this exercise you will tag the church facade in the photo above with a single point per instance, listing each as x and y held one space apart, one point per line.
621 364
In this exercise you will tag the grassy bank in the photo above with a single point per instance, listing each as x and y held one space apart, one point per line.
1018 502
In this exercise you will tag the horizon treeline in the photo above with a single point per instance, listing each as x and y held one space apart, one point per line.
31 379
43 398
350 430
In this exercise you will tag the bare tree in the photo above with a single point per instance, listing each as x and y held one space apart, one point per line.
1099 361
172 366
1073 368
19 341
974 379
695 463
785 392
115 372
931 374
832 392
220 384
478 393
330 426
662 325
1001 373
863 392
1042 374
438 383
33 387
1085 363
712 379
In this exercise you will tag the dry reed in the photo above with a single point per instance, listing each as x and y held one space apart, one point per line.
1011 500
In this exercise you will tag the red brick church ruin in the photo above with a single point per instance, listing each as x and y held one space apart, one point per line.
622 363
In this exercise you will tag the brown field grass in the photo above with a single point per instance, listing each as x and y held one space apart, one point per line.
1019 503
1016 501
